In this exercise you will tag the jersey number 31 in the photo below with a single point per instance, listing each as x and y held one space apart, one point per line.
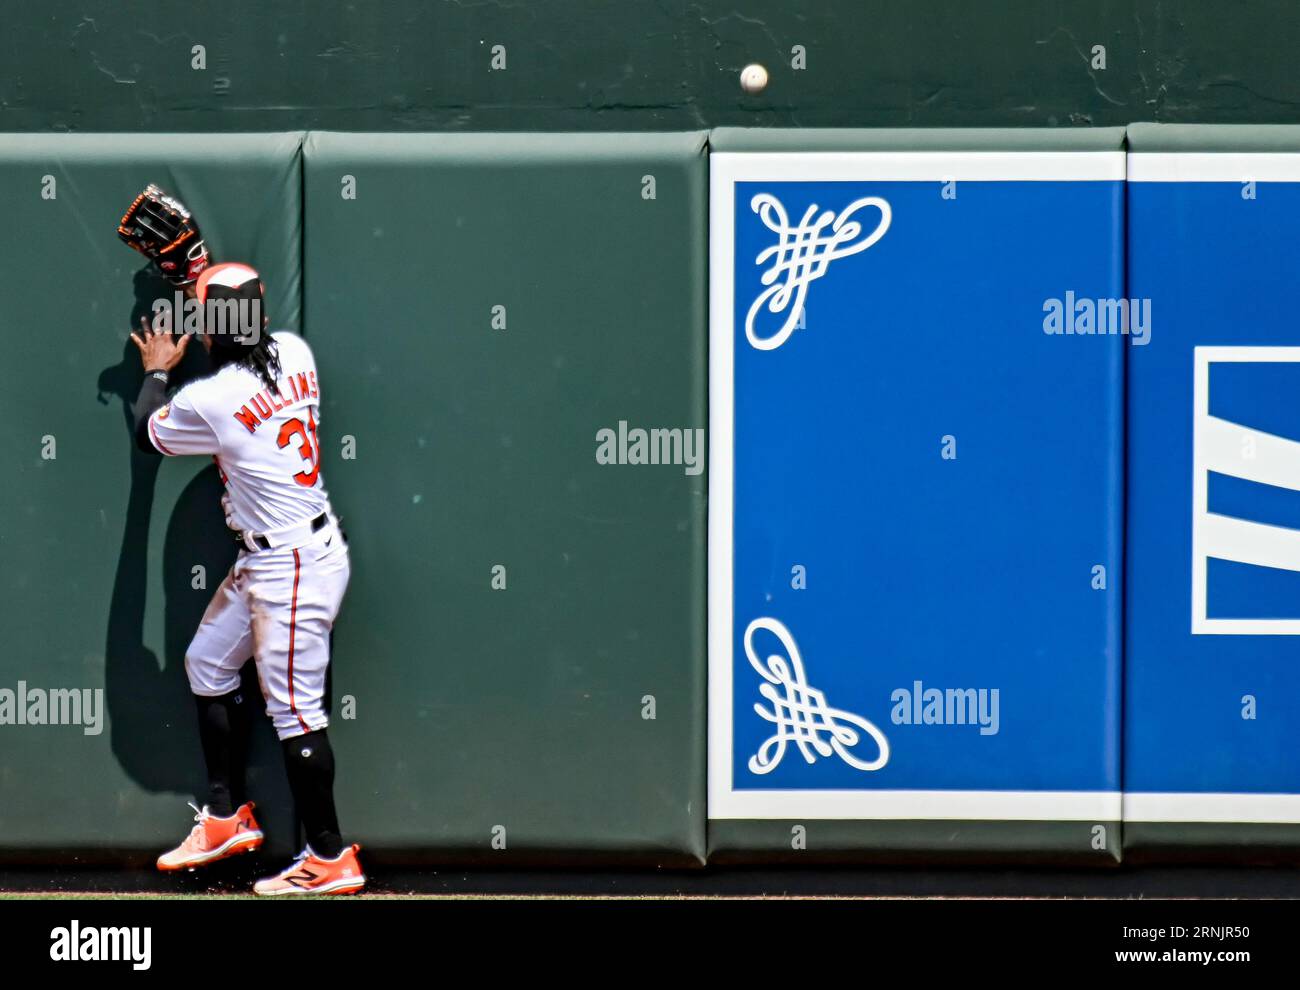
309 447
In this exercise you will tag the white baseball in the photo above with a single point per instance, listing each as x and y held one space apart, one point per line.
753 78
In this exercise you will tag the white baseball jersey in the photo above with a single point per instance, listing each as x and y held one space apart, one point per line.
263 440
265 444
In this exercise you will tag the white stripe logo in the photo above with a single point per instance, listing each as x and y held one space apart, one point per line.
1223 447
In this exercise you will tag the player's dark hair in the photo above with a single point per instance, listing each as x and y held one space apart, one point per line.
262 358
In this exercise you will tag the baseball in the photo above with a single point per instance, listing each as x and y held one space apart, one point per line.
753 78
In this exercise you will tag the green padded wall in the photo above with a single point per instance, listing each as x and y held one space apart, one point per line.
1001 139
1148 138
99 543
514 713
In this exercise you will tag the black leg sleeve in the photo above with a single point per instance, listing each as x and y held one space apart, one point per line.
309 761
224 724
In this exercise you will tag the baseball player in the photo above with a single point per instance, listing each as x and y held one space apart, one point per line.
257 415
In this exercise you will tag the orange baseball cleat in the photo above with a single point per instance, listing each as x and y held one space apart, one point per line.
310 874
214 838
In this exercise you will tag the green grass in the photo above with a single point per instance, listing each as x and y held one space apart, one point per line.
83 895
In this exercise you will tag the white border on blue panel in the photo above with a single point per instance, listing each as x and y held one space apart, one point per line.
725 169
1266 809
1184 166
1191 806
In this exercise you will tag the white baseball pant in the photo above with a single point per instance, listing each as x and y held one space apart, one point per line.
277 606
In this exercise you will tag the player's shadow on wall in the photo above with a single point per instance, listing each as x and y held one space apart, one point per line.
151 710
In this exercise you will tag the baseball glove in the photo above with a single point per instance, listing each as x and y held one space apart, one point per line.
162 229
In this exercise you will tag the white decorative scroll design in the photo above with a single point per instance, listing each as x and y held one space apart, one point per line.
800 713
802 254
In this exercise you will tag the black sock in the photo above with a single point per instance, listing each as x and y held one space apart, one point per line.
309 761
224 722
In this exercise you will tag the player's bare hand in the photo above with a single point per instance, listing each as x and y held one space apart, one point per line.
159 350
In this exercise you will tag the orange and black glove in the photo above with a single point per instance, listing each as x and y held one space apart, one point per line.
162 229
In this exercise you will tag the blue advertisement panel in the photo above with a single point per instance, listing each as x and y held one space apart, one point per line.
1213 532
915 485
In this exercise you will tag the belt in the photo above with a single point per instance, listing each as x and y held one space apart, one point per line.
260 541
